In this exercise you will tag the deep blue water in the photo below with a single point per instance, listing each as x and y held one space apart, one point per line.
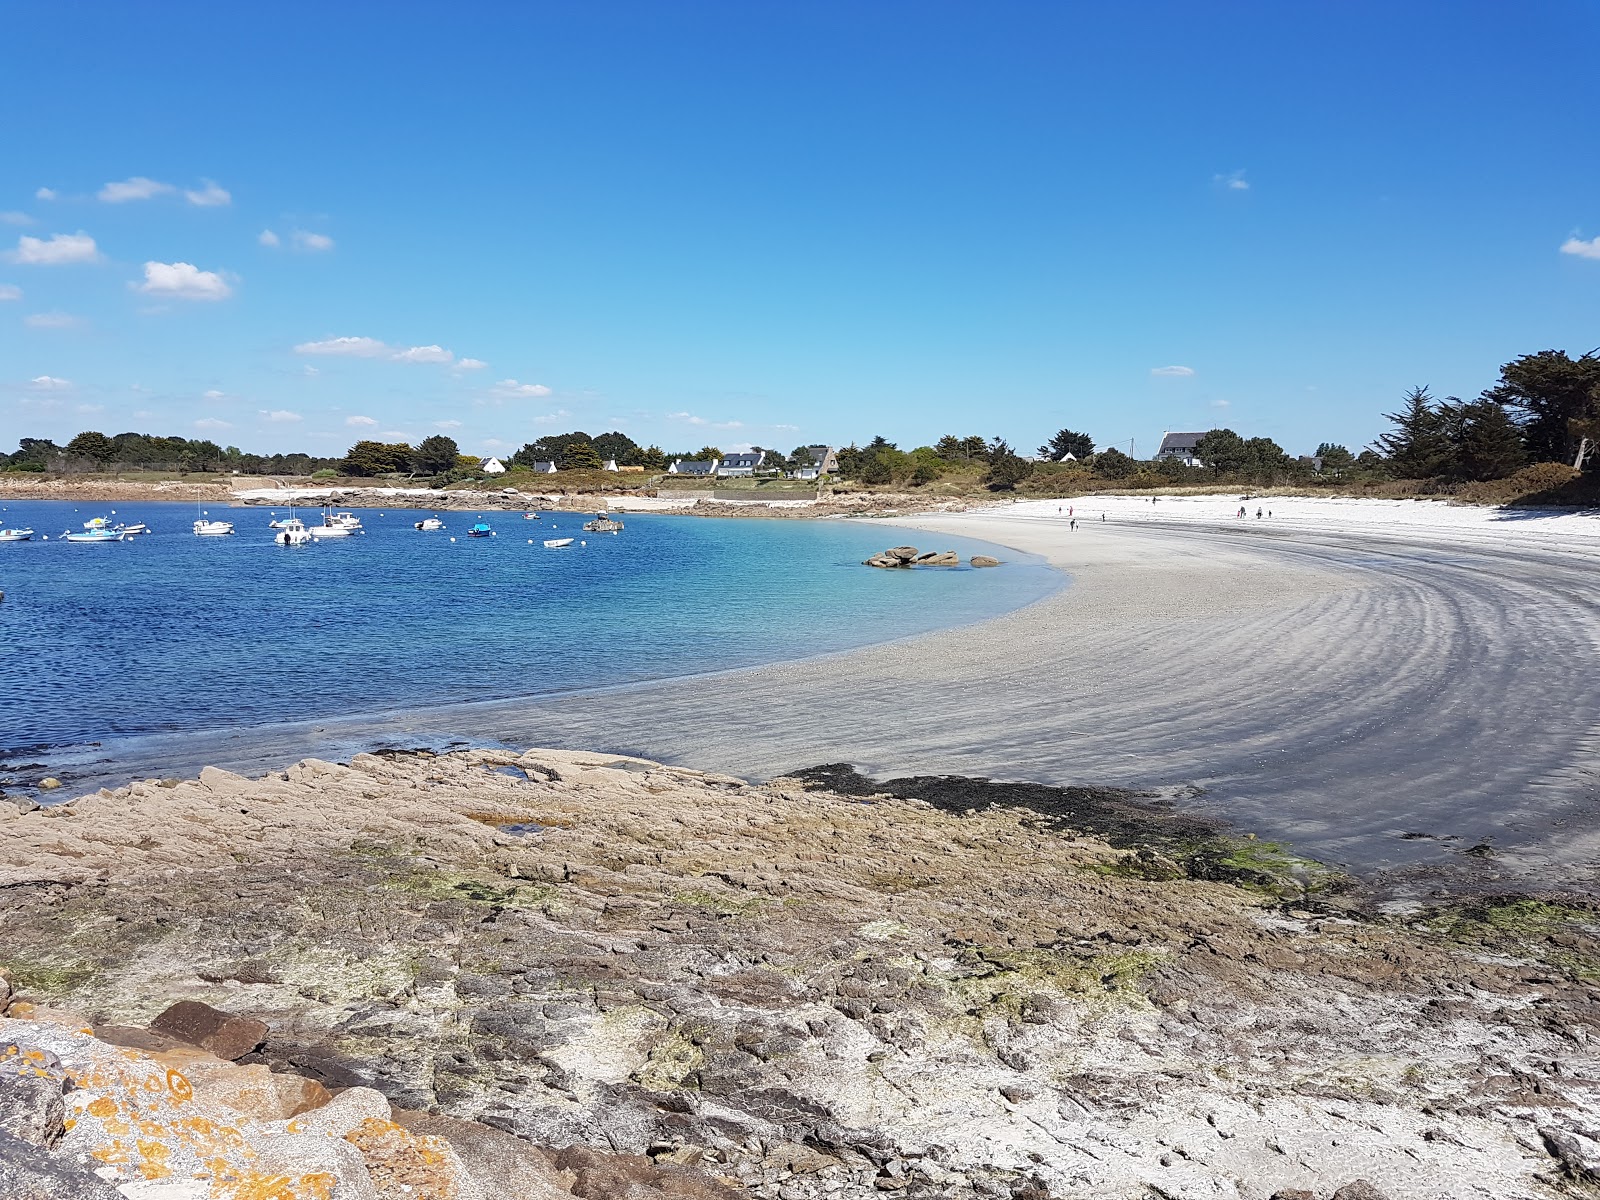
171 632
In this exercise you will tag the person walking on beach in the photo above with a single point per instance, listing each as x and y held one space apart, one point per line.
1072 525
1258 514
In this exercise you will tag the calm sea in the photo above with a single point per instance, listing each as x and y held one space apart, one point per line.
175 633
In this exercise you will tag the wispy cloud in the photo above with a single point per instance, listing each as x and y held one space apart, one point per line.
550 418
447 424
209 196
346 347
424 354
1172 372
213 394
357 422
45 193
689 418
49 383
281 416
212 423
52 320
1222 404
311 242
470 364
1233 181
267 238
10 291
59 249
1581 248
511 388
137 188
182 281
15 218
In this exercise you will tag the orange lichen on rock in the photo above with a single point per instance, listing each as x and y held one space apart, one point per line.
402 1164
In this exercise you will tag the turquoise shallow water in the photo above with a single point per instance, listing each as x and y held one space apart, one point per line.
172 633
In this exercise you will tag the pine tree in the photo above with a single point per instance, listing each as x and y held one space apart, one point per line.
1419 447
1489 445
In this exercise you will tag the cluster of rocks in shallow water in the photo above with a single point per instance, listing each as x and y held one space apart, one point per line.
624 979
896 557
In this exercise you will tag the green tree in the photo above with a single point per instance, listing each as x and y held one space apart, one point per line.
948 447
1557 399
92 445
1006 467
1419 447
1488 443
1065 442
580 456
974 448
1224 451
376 458
618 447
1114 464
651 459
1335 457
437 454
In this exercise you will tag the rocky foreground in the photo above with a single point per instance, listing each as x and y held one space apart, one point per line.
498 975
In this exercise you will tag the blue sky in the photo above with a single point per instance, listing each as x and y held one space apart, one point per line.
773 223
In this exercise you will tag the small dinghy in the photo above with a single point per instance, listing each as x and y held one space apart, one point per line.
556 543
15 535
429 524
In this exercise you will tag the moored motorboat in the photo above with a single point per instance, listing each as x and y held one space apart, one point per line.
292 532
480 530
429 524
96 530
15 535
134 529
205 528
556 543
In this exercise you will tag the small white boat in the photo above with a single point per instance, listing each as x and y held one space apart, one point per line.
556 543
345 520
292 532
204 528
97 530
429 524
15 535
134 529
279 523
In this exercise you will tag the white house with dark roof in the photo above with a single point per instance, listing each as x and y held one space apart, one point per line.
699 468
741 464
1180 446
492 466
824 461
544 468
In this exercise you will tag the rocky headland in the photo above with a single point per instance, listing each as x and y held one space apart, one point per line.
490 974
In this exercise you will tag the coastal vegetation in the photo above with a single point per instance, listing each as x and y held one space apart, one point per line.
1530 436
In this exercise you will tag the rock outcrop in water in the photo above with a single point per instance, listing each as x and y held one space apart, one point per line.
653 978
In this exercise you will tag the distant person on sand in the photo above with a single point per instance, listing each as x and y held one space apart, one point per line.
1073 525
1258 514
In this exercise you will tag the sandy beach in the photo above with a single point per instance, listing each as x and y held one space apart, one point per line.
1384 697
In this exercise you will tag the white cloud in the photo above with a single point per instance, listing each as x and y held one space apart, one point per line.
355 421
551 418
470 364
312 242
143 414
182 281
137 188
1581 248
496 444
267 238
447 424
1221 403
308 369
89 409
10 291
787 428
15 218
1233 181
281 416
58 250
52 320
210 196
49 383
687 418
424 354
1172 372
510 387
346 347
399 435
211 423
214 394
45 193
